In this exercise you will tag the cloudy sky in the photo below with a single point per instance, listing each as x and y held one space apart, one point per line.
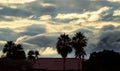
36 24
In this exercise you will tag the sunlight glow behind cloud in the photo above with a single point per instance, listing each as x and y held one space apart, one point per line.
16 1
49 51
117 13
47 4
114 0
45 17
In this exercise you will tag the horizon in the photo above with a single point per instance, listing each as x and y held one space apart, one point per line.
36 24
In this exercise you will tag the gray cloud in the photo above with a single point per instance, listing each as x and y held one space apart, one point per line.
71 6
39 8
43 40
54 7
34 30
36 8
108 27
7 11
7 34
109 38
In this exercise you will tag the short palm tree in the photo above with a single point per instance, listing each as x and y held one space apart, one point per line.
63 46
36 54
31 56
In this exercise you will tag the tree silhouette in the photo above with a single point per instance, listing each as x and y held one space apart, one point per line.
19 52
63 46
8 48
105 55
36 54
107 60
31 56
79 41
14 51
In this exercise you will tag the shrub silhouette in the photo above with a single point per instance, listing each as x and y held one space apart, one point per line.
32 55
14 51
106 60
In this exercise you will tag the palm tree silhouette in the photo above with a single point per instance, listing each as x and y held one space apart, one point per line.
31 56
63 46
79 41
36 54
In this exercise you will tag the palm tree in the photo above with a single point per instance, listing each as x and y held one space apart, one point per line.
36 54
63 46
79 41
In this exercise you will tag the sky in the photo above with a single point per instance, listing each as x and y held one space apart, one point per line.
36 24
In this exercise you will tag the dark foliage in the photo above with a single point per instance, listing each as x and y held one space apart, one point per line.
36 54
14 51
63 45
32 55
79 41
7 64
106 60
105 55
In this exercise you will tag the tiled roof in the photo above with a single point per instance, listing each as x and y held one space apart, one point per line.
57 63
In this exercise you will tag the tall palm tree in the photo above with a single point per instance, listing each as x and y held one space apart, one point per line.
63 46
79 41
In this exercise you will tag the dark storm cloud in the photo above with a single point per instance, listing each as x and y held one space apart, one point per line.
34 30
109 38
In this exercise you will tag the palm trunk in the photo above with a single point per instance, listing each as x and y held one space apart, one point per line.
64 62
80 63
